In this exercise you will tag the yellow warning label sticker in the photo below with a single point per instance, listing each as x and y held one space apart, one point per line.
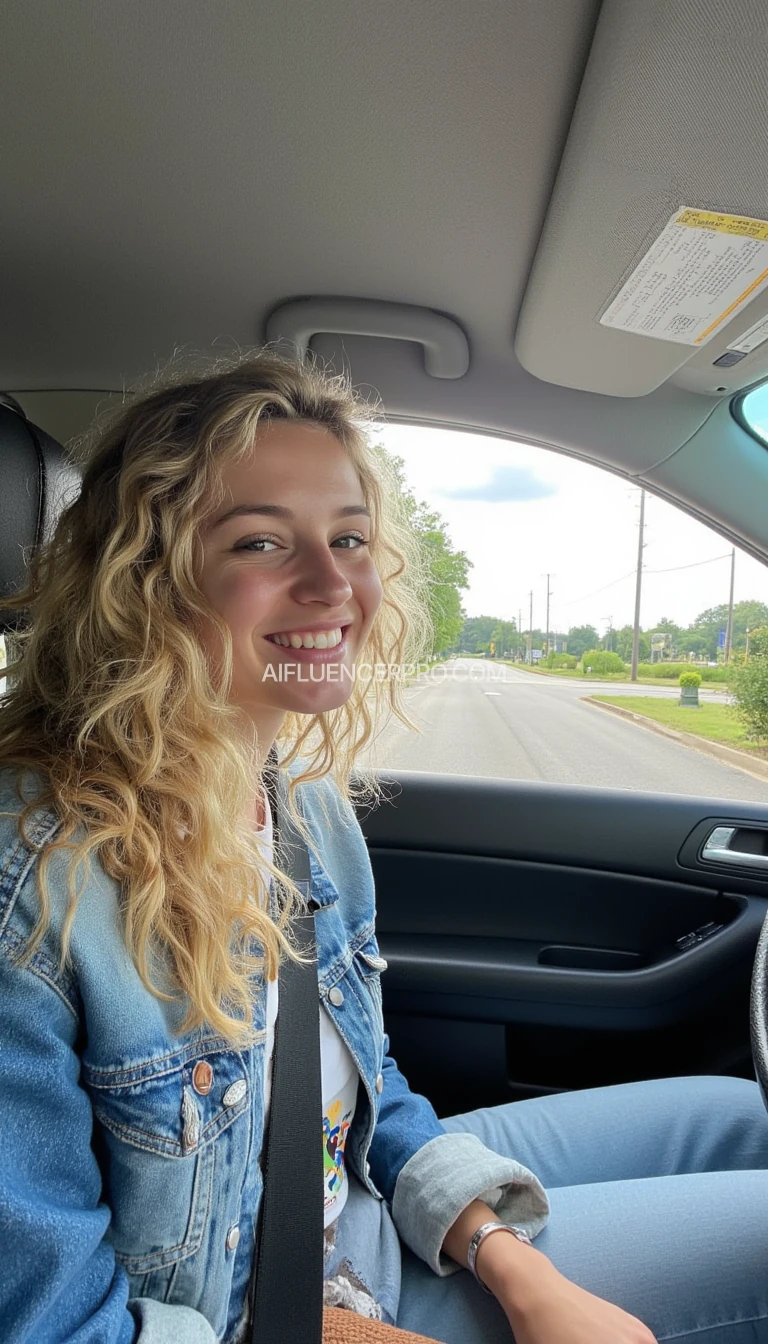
738 224
699 273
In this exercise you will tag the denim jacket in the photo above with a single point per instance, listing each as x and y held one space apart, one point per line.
129 1154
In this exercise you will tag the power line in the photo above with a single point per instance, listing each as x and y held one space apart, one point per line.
632 573
695 564
612 584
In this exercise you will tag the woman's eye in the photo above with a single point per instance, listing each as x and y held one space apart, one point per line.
257 544
350 541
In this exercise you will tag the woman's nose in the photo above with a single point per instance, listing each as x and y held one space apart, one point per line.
321 579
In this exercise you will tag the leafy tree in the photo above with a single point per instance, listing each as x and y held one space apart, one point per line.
476 631
666 627
447 568
448 574
696 642
747 615
622 644
581 638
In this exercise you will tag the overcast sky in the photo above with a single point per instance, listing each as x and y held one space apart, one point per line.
519 512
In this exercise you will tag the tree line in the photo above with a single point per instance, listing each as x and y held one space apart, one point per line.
702 638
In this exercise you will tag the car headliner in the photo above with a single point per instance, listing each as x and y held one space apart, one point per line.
175 172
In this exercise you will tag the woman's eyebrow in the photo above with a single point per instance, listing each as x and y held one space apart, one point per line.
279 511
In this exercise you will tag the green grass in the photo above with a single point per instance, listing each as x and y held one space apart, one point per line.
717 723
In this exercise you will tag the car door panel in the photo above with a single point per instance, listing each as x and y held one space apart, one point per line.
542 937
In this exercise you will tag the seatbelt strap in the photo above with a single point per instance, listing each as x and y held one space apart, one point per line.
287 1276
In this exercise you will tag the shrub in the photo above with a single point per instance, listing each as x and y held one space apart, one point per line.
690 679
602 663
561 660
758 642
671 672
721 673
749 684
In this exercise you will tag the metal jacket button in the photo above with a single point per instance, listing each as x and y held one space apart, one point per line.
380 1082
233 1238
336 997
202 1077
235 1093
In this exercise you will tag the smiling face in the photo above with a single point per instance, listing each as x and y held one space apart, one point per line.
286 564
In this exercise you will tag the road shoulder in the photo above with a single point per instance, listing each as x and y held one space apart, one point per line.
728 755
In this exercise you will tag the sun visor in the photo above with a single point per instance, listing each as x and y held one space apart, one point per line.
653 259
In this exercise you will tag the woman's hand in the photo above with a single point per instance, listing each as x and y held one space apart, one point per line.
543 1307
567 1314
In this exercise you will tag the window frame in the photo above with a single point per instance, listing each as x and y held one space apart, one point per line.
737 411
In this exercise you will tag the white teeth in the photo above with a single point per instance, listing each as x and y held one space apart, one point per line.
321 639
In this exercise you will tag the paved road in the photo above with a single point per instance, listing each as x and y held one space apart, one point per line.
529 727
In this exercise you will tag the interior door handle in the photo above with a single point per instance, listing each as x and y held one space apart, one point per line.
716 851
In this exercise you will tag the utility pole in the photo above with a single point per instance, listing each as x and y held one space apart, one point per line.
609 631
549 594
729 631
519 629
530 630
638 589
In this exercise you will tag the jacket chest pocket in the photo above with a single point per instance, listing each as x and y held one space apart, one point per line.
156 1142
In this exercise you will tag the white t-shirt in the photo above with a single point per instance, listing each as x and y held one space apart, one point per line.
339 1084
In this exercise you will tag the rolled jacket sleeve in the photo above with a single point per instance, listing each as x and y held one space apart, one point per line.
429 1176
446 1175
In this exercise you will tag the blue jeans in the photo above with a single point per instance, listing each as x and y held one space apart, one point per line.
659 1199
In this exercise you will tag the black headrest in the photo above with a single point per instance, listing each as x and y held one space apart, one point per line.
37 481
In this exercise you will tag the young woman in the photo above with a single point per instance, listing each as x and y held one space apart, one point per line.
233 556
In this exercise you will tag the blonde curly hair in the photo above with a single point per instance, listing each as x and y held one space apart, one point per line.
113 704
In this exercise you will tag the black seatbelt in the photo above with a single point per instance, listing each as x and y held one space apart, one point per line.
287 1275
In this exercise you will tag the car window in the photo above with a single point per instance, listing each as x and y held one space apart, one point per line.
533 561
753 410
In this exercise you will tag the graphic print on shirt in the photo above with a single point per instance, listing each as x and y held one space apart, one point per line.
336 1123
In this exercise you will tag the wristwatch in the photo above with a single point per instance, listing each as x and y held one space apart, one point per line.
484 1231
